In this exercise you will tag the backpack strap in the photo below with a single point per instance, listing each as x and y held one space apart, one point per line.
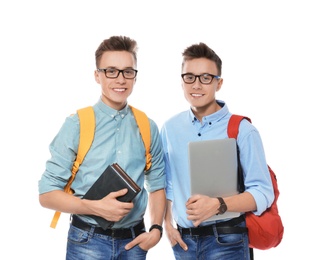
87 130
232 132
144 127
233 125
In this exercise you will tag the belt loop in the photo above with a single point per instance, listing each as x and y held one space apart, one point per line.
92 230
179 229
133 232
215 230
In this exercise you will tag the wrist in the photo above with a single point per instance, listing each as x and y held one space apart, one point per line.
158 227
222 206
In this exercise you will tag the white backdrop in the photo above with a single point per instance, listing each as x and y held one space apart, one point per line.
272 54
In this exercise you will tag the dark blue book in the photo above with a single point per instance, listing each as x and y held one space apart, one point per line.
114 178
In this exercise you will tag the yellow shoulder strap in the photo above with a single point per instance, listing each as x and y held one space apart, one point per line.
144 127
87 130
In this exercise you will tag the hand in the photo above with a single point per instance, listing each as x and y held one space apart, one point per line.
145 240
112 209
200 208
174 237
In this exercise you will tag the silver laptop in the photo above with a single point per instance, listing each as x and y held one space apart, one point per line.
213 170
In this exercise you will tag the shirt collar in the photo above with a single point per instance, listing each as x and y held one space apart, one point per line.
113 112
218 115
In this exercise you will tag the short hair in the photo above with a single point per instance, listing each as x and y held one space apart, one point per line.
201 50
116 43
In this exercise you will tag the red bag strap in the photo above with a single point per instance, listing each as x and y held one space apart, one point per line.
233 125
232 132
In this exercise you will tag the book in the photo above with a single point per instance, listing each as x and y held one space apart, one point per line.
114 178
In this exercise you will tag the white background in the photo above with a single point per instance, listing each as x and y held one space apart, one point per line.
272 54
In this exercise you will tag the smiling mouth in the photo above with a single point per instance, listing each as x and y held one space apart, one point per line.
196 95
119 89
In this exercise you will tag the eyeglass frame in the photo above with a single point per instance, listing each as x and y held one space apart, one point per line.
198 76
119 71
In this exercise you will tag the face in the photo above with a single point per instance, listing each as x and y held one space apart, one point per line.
115 91
201 97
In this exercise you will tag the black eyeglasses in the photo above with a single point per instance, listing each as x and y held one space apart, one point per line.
205 78
112 73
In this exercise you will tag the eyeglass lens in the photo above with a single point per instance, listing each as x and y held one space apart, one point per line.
114 73
204 78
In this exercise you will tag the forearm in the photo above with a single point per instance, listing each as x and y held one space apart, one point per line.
64 202
243 202
168 219
157 205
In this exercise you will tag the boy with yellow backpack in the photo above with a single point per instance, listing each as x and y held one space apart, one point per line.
117 138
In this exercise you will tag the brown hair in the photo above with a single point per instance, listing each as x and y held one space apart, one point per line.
201 50
117 43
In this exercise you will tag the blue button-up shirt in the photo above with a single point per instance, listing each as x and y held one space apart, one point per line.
183 128
117 140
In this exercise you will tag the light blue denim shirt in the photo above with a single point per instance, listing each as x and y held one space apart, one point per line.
183 128
117 140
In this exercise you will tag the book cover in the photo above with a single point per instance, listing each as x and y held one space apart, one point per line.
114 178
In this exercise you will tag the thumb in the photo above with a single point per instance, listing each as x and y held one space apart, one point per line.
119 193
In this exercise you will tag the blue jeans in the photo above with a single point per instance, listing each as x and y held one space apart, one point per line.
214 247
84 245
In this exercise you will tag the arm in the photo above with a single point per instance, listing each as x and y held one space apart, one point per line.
157 204
172 232
155 185
108 207
201 207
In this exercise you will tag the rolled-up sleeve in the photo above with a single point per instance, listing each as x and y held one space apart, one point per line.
257 179
62 150
155 177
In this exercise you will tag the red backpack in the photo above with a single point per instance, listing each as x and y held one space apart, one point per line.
264 231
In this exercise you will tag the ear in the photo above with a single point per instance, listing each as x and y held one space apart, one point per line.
96 75
219 84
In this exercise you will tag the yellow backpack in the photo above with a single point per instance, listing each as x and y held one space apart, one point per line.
87 130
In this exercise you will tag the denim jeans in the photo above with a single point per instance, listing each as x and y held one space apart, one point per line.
214 247
84 245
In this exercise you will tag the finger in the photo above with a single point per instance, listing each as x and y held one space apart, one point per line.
119 193
193 199
192 213
176 238
196 223
131 244
183 244
189 207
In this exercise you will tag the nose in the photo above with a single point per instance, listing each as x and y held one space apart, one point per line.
120 78
196 84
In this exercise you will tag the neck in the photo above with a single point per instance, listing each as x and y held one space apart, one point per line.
200 112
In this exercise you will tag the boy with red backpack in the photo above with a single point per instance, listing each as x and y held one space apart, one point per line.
192 237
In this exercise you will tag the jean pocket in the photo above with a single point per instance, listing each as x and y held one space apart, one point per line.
230 239
76 235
